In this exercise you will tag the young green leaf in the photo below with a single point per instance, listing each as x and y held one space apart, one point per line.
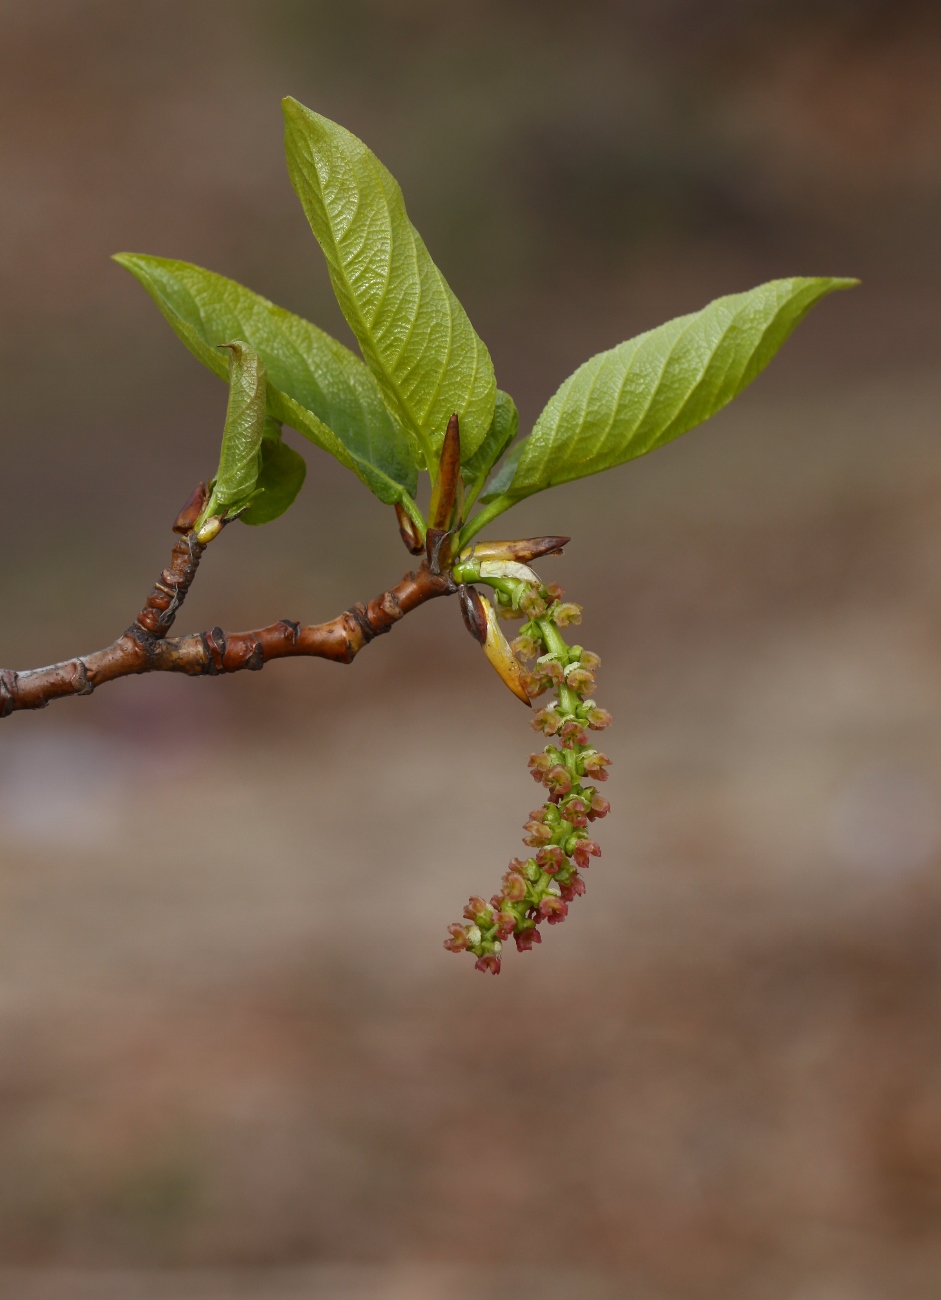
503 429
315 384
414 334
280 478
239 459
624 403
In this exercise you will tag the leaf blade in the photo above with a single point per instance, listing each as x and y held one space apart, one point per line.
308 371
627 401
239 458
503 429
414 334
280 478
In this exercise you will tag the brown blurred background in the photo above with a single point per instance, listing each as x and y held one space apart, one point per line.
234 1058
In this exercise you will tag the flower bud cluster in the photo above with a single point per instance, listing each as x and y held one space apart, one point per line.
541 887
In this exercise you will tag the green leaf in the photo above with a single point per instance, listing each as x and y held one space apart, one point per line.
501 481
239 459
280 479
414 334
315 384
624 403
503 429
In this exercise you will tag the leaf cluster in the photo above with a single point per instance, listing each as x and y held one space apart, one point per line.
384 414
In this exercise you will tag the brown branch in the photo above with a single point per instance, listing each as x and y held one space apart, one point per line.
145 647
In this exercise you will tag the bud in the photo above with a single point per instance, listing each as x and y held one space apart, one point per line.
557 780
566 614
525 647
195 504
514 887
551 859
506 924
600 807
598 719
537 833
488 964
574 889
539 764
473 613
458 939
548 721
573 733
590 660
446 505
408 530
584 851
526 936
575 812
593 765
530 548
546 674
478 911
554 910
579 679
554 590
210 529
532 604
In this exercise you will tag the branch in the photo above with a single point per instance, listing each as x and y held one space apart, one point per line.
145 647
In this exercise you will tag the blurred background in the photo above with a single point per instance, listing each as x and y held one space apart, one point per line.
234 1058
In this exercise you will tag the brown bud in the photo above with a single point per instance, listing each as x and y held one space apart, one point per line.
473 612
529 548
408 530
449 484
195 503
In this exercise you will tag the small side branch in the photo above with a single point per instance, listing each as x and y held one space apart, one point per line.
145 647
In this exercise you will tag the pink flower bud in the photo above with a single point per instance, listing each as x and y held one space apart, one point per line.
551 859
600 807
538 814
554 590
514 887
478 911
598 719
573 733
458 940
489 963
566 614
552 909
532 604
505 923
525 938
539 833
525 647
575 812
574 889
594 766
580 680
588 659
557 780
548 721
584 850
